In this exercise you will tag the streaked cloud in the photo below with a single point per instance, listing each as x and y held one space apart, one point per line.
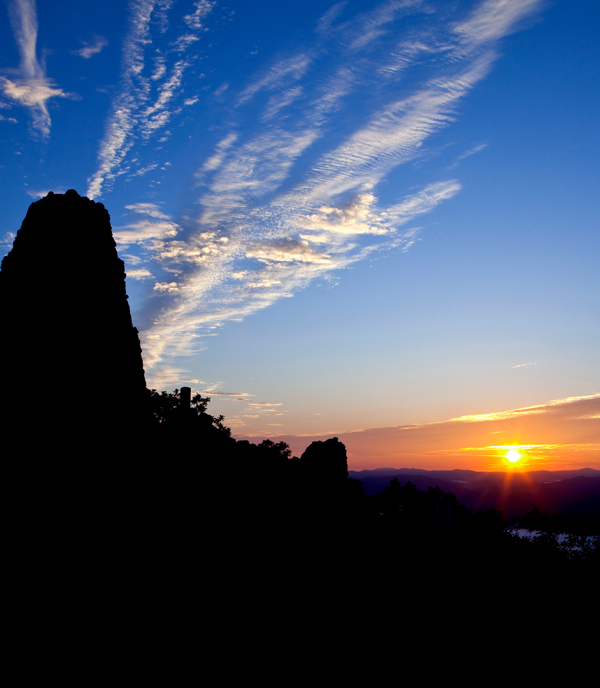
216 160
145 105
286 250
472 151
494 19
377 21
30 87
238 396
550 407
498 415
280 74
295 186
330 16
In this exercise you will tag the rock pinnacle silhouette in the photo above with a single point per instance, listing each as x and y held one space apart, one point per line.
72 386
67 329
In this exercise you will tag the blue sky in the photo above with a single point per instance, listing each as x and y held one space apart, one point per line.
334 216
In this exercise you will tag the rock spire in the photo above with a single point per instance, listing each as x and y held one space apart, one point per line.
72 389
68 347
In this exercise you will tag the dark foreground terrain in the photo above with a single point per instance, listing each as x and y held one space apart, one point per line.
111 488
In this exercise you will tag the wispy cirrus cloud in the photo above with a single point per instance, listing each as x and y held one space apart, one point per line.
30 86
145 104
281 74
554 406
294 187
375 23
494 19
330 16
466 154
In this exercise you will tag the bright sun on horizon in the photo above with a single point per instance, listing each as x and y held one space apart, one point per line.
513 456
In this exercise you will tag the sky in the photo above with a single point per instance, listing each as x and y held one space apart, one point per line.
376 220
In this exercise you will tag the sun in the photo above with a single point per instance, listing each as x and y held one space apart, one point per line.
513 456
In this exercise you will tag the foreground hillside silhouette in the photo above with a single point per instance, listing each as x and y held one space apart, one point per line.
95 459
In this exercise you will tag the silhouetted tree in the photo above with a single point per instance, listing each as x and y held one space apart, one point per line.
279 450
166 406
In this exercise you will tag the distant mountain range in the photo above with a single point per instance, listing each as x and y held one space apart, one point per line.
513 493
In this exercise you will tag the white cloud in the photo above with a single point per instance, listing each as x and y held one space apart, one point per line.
158 114
354 218
139 274
30 92
286 250
395 134
201 9
168 376
32 88
422 202
375 23
283 72
145 105
494 19
281 101
150 209
284 204
406 54
44 192
166 286
466 154
216 160
144 230
144 170
472 151
91 48
330 16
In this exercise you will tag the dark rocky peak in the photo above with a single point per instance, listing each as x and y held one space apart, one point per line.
65 319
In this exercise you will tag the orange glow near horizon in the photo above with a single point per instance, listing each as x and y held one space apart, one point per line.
554 436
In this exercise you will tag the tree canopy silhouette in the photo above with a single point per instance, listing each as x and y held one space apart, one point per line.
166 406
